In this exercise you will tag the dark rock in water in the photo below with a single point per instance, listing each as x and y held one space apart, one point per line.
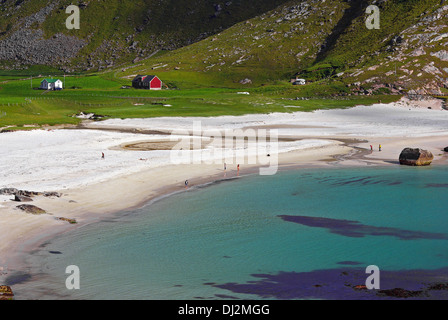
446 149
416 157
28 208
22 198
438 286
6 293
401 293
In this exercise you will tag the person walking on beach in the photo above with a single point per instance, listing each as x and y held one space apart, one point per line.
225 166
102 155
238 170
379 148
371 148
186 184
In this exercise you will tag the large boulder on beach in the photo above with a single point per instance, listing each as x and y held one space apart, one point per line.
416 157
446 149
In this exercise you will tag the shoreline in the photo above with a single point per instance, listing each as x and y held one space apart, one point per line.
22 233
84 210
37 243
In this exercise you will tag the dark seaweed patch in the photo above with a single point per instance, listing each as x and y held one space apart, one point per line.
224 296
360 181
344 284
355 229
349 263
437 185
17 277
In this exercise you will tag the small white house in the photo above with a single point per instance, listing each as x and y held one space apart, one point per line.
51 84
299 82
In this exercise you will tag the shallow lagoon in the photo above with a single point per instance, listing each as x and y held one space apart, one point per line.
304 234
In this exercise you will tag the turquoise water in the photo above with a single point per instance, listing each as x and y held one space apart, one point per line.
270 237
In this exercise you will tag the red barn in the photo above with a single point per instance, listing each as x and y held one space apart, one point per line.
147 82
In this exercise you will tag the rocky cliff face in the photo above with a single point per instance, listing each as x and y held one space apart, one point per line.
24 44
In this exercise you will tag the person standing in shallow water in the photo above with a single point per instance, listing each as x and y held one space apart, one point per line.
186 184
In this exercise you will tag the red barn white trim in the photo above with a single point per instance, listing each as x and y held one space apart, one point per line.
147 82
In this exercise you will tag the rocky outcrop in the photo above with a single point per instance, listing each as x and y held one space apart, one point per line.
26 45
19 198
446 149
52 194
28 194
8 191
246 81
28 208
6 293
416 157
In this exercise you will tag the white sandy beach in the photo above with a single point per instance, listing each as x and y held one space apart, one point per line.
69 160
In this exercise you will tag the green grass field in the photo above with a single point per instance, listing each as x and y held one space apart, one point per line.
22 104
266 46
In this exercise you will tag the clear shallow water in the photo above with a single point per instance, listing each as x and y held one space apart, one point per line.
299 234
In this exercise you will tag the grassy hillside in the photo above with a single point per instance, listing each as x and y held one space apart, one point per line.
264 41
116 31
324 42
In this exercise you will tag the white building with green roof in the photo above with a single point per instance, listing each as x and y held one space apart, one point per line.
51 84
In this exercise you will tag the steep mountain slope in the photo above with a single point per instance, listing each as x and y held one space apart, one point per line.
326 42
112 31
